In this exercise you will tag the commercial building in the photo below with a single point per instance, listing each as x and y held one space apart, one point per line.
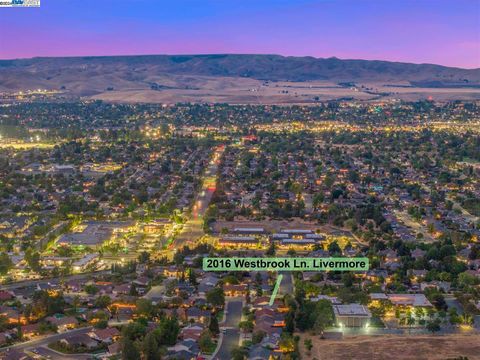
352 315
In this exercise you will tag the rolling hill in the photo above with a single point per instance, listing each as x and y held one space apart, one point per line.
160 78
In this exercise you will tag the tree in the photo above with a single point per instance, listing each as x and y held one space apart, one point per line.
258 336
5 263
271 249
33 259
129 350
205 342
213 325
103 301
433 326
239 353
290 322
246 326
76 302
144 308
167 332
286 343
133 290
348 278
334 248
465 280
150 348
308 344
134 331
101 324
45 303
192 277
323 315
216 297
247 296
144 257
90 289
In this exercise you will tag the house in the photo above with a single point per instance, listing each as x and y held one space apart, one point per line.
172 272
178 313
188 349
375 275
182 355
415 300
238 241
260 302
13 354
63 322
259 352
417 275
3 338
12 315
107 336
123 289
249 231
334 300
192 332
195 314
80 340
402 300
6 295
440 285
235 290
83 263
114 349
352 315
73 285
30 330
266 324
142 281
418 253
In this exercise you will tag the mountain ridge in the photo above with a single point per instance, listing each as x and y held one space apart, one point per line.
93 75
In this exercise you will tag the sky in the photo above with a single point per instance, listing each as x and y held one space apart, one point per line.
445 32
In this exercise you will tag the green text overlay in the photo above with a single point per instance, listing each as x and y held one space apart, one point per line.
285 264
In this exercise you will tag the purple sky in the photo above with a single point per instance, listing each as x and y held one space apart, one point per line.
444 32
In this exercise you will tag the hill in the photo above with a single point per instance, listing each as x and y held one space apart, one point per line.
234 78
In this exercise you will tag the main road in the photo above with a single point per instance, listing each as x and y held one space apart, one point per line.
193 228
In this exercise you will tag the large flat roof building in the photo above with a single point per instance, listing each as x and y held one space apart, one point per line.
352 315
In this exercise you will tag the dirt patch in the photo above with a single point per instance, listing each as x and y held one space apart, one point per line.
394 347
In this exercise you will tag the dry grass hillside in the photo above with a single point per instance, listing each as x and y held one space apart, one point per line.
237 79
423 347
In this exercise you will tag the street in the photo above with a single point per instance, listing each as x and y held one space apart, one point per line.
44 341
193 228
231 336
34 283
286 287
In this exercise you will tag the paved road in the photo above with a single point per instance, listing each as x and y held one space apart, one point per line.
193 228
54 355
32 283
229 342
234 313
44 341
232 334
286 287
